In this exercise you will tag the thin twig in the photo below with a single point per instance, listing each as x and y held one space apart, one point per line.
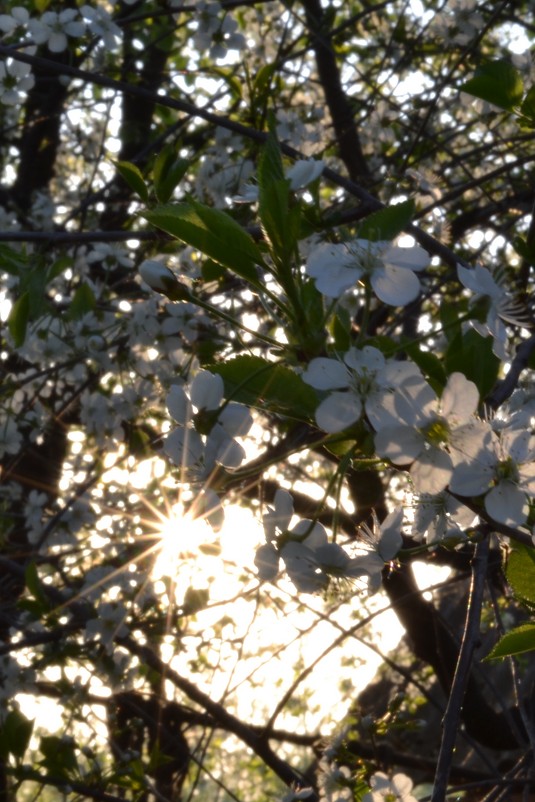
452 716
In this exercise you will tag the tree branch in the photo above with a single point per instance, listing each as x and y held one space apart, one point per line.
452 716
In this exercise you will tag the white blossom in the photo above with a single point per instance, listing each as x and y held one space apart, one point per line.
302 173
10 436
15 78
384 789
101 25
219 423
361 383
433 434
504 470
17 18
52 28
440 517
156 275
502 306
337 267
310 559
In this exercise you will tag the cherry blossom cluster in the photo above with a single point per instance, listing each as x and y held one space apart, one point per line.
55 28
441 441
207 428
311 560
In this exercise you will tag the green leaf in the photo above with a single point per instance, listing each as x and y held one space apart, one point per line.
525 249
517 641
340 329
195 599
497 82
212 232
471 354
528 107
429 363
270 169
279 213
83 301
449 319
387 223
134 179
15 734
59 756
18 319
39 604
257 382
167 173
280 223
11 261
263 78
520 573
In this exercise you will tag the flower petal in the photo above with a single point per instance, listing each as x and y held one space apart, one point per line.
338 411
507 504
326 374
432 471
395 286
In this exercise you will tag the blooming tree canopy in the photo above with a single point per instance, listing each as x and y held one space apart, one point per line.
267 379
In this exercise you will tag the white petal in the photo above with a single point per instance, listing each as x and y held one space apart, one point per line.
395 286
507 504
459 399
516 444
267 562
368 359
471 478
206 390
316 535
414 258
332 557
236 419
338 411
326 374
432 471
390 540
178 405
280 515
327 256
333 282
229 454
474 441
184 447
304 171
401 444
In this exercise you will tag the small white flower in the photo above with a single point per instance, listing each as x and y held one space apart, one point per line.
311 561
503 469
10 437
433 434
54 27
361 382
304 172
502 306
440 517
18 17
15 78
156 275
101 25
301 174
397 789
390 270
220 427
